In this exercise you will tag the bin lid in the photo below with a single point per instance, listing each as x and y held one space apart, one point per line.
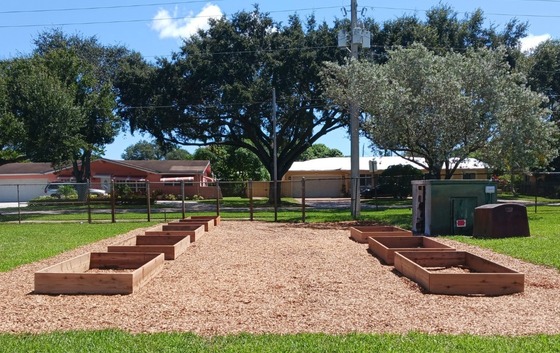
499 205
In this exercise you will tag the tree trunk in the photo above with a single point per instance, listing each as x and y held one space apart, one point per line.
278 193
82 174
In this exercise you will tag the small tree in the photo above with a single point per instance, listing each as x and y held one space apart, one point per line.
67 192
396 180
444 108
142 150
319 150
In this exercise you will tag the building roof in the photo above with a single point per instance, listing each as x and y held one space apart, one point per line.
165 166
343 164
26 168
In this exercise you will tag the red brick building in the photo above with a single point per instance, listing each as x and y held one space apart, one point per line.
28 180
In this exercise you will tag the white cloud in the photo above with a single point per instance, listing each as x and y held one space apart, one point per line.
172 26
532 41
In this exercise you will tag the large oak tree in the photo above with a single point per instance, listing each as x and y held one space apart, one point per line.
218 88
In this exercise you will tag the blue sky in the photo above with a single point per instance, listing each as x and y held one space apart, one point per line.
154 27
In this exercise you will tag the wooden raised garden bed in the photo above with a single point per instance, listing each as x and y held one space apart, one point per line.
172 246
185 223
458 272
99 273
193 230
361 233
385 247
217 219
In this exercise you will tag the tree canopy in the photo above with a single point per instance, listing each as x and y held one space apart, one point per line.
145 150
443 30
231 163
218 89
544 76
445 108
319 150
61 100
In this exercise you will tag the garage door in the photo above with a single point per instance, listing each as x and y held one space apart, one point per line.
28 189
327 186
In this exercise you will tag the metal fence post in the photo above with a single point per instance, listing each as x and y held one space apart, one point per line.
217 197
250 199
303 199
183 199
148 200
18 206
113 201
88 203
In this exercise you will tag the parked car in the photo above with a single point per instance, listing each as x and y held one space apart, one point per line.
53 190
97 192
368 192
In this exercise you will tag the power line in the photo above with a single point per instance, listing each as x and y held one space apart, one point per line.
199 1
103 7
137 20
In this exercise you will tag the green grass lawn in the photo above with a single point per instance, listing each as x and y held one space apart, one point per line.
114 341
18 242
542 247
18 246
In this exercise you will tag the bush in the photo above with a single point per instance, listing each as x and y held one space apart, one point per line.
67 191
396 180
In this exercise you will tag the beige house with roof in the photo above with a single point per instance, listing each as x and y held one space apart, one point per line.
330 177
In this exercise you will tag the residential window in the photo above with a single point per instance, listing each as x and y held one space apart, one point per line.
469 175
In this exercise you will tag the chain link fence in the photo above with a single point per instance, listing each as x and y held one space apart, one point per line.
253 200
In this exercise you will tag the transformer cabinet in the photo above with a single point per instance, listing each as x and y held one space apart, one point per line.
446 207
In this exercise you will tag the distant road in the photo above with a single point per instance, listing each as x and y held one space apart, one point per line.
12 204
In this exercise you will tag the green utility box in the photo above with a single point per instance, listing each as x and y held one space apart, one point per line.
446 207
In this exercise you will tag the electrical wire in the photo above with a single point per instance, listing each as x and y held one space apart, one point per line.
112 7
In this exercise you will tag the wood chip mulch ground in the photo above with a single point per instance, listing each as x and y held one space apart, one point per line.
260 277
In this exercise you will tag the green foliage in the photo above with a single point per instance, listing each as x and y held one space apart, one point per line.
43 103
544 76
445 108
232 163
319 150
444 30
219 95
123 190
63 98
67 191
178 154
396 179
142 150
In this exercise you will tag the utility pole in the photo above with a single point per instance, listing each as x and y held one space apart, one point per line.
354 123
358 36
274 157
